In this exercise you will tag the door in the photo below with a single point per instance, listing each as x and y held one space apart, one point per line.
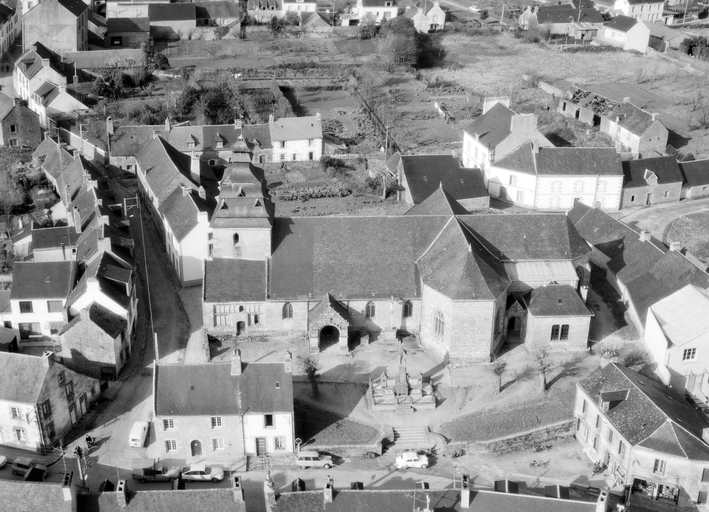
196 448
82 405
649 198
260 446
240 328
72 414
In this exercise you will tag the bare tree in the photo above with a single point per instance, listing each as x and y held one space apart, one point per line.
497 368
310 365
544 366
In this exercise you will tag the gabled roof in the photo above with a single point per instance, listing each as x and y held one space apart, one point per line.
76 7
652 415
425 173
563 161
683 315
665 168
36 496
493 126
181 210
264 4
220 274
104 319
317 18
622 23
188 390
695 173
217 9
99 270
172 12
556 300
54 237
160 500
567 13
296 128
6 103
327 302
438 203
30 62
22 377
43 280
126 25
634 119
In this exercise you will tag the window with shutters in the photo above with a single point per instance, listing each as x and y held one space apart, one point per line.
621 449
659 467
702 498
598 421
46 409
610 436
217 443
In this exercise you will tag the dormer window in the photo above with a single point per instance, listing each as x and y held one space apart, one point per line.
257 204
190 144
387 4
241 193
219 144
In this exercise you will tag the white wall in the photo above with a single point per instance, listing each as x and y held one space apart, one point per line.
524 184
8 436
40 314
300 148
254 426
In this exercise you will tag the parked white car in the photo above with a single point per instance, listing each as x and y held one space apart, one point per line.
411 460
3 460
202 473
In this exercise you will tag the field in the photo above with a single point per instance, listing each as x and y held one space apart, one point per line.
692 232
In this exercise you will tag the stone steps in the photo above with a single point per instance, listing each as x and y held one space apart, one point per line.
411 437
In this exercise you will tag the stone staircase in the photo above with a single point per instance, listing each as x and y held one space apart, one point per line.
411 438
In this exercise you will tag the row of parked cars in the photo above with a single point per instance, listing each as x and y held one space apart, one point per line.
23 465
149 470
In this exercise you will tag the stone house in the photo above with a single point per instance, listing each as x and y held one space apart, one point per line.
19 126
496 133
171 21
299 6
649 11
557 178
626 33
696 179
41 400
263 10
36 66
49 101
663 458
419 176
10 27
62 25
318 22
427 16
652 181
127 32
251 414
374 10
296 138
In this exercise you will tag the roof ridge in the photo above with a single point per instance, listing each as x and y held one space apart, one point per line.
673 424
435 239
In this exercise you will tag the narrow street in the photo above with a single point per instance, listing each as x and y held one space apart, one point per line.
658 218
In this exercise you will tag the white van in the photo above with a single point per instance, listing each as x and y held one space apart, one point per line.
138 434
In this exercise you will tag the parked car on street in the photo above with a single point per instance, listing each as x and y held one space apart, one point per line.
202 473
3 460
149 470
22 465
138 434
313 459
411 460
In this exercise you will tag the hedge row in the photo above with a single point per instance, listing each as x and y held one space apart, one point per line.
303 193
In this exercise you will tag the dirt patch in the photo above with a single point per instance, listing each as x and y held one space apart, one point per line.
539 441
325 428
692 232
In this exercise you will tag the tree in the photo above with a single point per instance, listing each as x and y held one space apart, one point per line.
497 368
367 28
291 18
310 365
544 366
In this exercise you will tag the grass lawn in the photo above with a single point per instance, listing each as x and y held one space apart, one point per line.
692 232
325 428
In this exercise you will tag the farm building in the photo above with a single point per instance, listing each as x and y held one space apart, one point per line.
696 179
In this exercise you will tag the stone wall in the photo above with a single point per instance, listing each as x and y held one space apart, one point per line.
88 349
190 428
26 125
538 333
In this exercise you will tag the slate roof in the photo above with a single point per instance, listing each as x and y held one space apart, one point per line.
30 62
186 500
217 10
181 210
425 173
104 319
104 269
563 161
561 14
665 168
221 274
76 7
189 390
22 377
53 238
6 103
295 128
695 173
556 300
378 3
43 280
36 496
638 2
622 23
444 500
634 119
682 316
171 12
438 203
493 126
126 25
254 5
653 415
317 19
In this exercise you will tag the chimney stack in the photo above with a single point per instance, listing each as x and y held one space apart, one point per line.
195 168
535 146
69 492
602 503
77 219
122 494
317 116
156 134
185 189
269 494
644 235
238 489
289 362
237 124
168 125
454 153
675 246
626 99
488 103
47 358
328 491
654 117
202 193
236 362
270 118
465 492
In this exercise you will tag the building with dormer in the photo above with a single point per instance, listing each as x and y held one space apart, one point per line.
372 10
652 181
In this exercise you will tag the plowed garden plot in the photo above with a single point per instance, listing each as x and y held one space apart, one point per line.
325 428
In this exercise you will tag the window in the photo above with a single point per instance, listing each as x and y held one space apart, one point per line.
311 156
584 406
217 444
513 181
12 143
598 421
370 310
46 409
520 196
556 186
236 238
702 498
439 324
595 443
268 420
283 144
578 186
287 310
25 306
61 378
632 199
28 330
689 354
210 250
212 162
283 157
70 391
262 159
116 41
129 167
49 429
220 144
168 423
15 413
170 445
311 142
295 157
241 309
190 144
659 467
21 434
667 193
554 333
408 309
55 306
256 319
279 443
564 332
13 128
705 475
621 449
610 436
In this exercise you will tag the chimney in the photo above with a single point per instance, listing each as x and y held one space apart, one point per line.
185 189
168 126
156 134
535 146
654 116
465 492
289 362
626 99
63 251
328 491
195 168
47 358
269 494
454 153
317 116
270 118
18 102
62 87
675 246
122 494
237 124
202 193
238 489
525 124
602 503
644 235
69 492
236 362
488 103
77 220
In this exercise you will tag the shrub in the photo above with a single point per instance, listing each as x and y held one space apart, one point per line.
303 193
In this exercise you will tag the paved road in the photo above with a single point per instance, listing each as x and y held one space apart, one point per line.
657 219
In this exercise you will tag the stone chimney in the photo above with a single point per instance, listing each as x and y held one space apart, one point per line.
523 123
237 124
18 102
47 358
602 503
465 492
185 189
654 116
675 246
62 87
288 368
77 219
238 489
328 491
156 134
705 435
317 116
269 494
122 494
202 193
454 153
488 103
270 118
69 492
644 235
236 362
626 99
168 125
195 168
535 146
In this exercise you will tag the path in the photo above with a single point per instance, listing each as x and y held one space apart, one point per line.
657 219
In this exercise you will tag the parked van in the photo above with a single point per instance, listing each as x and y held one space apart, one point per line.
312 459
22 465
138 434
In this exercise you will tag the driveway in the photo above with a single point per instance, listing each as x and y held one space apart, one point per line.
657 219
